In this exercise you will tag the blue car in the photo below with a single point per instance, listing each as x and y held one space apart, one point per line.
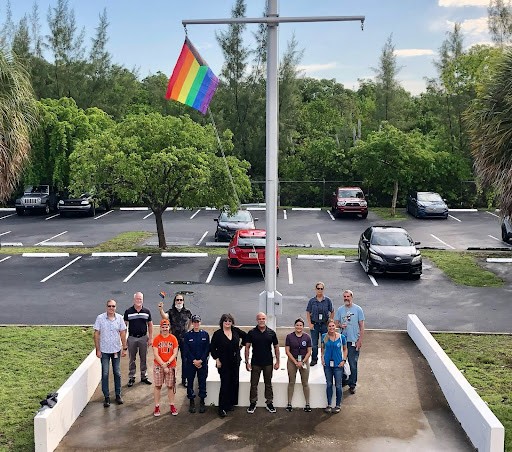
422 204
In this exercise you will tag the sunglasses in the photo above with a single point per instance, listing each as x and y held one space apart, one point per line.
179 299
111 305
319 288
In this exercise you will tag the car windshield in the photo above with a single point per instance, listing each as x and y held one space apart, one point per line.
391 238
44 189
249 242
241 215
430 197
350 194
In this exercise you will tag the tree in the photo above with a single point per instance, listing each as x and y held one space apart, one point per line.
499 21
161 161
490 129
18 117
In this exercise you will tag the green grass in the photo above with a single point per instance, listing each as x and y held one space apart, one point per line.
486 362
36 361
385 213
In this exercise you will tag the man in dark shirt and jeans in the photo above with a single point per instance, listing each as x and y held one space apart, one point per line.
318 313
140 335
262 339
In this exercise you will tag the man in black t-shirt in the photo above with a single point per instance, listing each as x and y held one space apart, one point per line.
262 339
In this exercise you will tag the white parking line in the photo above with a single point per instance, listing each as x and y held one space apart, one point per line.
290 273
4 233
5 258
103 214
212 271
53 216
199 210
371 277
60 269
285 216
202 238
331 215
7 216
320 240
451 216
444 243
148 215
498 240
47 240
137 269
493 214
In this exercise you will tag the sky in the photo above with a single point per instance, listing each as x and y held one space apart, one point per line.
148 35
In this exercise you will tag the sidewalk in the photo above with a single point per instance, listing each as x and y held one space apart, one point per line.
398 406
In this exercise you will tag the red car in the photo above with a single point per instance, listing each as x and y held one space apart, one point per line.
349 200
247 250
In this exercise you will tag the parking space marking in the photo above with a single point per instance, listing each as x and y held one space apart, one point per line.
499 240
202 238
197 211
493 214
7 216
4 233
53 216
370 277
331 215
136 270
451 216
320 240
5 258
285 216
148 215
51 238
290 273
444 243
212 271
103 214
60 269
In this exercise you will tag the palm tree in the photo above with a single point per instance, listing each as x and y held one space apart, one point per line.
18 117
490 126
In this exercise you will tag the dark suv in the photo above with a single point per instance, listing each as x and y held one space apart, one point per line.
506 229
38 198
349 200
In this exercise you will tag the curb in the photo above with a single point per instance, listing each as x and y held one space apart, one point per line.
45 255
320 256
125 254
165 254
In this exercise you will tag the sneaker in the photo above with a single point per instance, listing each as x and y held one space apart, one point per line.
157 411
174 411
119 400
289 408
352 389
270 408
252 408
307 409
327 409
131 382
222 413
313 362
106 403
202 406
192 407
336 409
145 381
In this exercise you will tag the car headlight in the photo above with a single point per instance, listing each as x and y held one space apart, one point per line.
232 250
223 229
61 202
85 202
416 259
342 203
363 203
376 257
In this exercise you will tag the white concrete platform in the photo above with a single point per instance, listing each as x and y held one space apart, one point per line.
318 398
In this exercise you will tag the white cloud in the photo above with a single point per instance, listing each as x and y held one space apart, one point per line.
460 3
415 87
413 52
313 68
472 26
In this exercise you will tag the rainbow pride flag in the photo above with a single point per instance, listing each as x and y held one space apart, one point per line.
192 82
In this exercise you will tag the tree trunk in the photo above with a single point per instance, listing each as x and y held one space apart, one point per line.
160 229
393 201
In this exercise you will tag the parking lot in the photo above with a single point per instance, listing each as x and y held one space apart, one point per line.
72 290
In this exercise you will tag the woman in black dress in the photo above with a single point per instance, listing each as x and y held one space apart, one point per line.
225 349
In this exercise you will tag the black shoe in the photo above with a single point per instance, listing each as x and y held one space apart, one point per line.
119 400
222 413
252 408
289 408
313 362
307 409
270 408
184 383
106 403
131 382
352 389
145 381
202 406
192 407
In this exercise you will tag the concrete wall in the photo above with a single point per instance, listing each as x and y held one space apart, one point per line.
482 427
51 424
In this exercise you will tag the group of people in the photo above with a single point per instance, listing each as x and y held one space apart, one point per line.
180 331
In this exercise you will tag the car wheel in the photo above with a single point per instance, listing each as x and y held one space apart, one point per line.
367 268
364 216
415 277
277 271
47 209
230 271
92 211
407 208
504 235
20 210
62 214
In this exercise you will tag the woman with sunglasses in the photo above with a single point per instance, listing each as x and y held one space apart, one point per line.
180 318
225 349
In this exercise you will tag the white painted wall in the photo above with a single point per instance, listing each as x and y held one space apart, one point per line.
482 427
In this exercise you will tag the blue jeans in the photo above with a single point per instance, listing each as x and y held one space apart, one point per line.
316 334
353 357
116 367
337 373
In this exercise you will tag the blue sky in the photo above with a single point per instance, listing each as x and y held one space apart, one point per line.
149 35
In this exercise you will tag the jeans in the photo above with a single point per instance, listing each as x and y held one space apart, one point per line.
267 379
337 373
353 357
202 374
116 367
316 334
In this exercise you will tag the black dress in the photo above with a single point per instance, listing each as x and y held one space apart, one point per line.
228 352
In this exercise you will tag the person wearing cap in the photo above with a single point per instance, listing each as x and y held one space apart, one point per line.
165 350
196 347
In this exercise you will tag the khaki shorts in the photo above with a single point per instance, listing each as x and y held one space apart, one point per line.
160 377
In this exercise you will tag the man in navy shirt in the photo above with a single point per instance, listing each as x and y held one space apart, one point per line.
318 312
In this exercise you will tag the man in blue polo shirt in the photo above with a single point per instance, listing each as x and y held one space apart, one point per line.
140 335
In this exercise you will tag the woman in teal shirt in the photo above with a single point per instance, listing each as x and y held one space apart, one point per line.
334 354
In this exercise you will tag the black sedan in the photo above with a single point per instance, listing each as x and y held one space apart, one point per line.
506 229
389 249
423 204
228 224
85 204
